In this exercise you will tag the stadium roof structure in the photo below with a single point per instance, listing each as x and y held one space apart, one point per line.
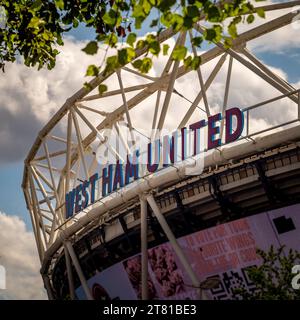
65 151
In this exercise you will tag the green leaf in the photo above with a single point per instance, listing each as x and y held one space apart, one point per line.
37 5
188 22
154 23
91 48
138 22
137 63
260 12
143 65
111 39
130 53
111 64
154 47
35 23
195 63
210 34
177 22
167 19
196 41
75 23
122 57
146 65
232 30
112 18
187 61
138 11
214 14
141 44
192 11
60 4
101 37
92 71
125 55
131 38
165 49
102 88
218 29
250 18
227 43
179 53
46 35
165 5
60 40
87 86
146 6
123 6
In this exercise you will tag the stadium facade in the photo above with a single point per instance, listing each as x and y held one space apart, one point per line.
104 231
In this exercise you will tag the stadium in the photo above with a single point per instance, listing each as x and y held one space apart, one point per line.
167 229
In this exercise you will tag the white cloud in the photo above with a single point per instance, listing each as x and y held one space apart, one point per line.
30 97
18 255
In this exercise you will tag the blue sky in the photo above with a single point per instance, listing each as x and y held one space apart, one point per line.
11 196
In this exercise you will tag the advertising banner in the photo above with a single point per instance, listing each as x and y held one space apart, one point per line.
225 251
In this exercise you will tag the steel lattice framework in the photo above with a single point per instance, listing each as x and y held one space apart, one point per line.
64 151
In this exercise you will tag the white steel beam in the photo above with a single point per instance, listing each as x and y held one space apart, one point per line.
48 286
79 271
68 154
69 273
209 81
114 92
199 73
226 93
144 248
53 180
171 83
173 241
126 105
80 146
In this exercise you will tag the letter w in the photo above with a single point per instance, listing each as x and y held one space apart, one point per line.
70 197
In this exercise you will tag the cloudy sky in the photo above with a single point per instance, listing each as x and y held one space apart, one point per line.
29 98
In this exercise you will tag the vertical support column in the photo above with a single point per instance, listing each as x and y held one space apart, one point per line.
125 105
248 124
48 286
153 131
180 254
202 86
77 266
225 102
68 155
207 84
144 248
80 146
173 76
70 274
